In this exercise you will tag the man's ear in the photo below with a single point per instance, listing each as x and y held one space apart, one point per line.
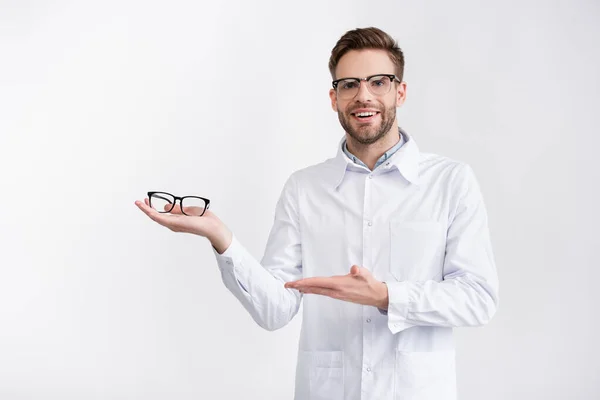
333 98
400 94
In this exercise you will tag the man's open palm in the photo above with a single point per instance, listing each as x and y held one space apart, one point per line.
178 222
359 286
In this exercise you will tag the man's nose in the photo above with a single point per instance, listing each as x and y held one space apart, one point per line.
363 94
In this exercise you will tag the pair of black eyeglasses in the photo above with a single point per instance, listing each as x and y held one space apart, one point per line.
164 202
378 85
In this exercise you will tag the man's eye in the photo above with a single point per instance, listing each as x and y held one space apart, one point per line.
349 85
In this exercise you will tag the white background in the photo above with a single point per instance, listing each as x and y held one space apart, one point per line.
102 101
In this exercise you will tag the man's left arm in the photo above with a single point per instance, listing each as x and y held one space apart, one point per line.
468 293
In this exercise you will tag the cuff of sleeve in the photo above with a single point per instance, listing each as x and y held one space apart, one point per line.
230 263
233 254
398 307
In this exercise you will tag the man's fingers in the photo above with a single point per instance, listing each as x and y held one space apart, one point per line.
166 220
176 208
321 291
144 206
149 211
330 283
192 210
176 221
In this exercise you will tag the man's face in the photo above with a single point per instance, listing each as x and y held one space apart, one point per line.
361 64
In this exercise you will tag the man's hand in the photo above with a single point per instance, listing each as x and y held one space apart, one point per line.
208 225
359 286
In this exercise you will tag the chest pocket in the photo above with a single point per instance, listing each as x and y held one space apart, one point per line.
417 250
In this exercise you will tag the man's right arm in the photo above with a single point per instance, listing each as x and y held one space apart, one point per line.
259 286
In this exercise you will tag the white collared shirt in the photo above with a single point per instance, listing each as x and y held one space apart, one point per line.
381 159
417 222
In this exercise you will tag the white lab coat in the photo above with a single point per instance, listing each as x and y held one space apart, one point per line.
417 222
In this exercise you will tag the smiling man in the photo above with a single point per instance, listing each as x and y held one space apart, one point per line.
387 247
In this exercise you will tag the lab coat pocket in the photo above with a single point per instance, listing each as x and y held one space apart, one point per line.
425 375
417 250
327 375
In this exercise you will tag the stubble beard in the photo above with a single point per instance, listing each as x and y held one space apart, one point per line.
368 134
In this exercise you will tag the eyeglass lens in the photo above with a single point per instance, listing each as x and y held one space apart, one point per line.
378 85
164 202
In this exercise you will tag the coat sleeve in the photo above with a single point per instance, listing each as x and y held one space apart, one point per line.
259 286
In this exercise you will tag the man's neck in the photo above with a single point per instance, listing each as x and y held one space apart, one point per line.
370 153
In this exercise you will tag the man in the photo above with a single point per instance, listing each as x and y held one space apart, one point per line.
387 246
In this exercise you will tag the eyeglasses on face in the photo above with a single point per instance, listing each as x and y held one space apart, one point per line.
378 85
164 202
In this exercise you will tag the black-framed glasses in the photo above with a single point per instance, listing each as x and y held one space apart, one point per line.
164 202
378 85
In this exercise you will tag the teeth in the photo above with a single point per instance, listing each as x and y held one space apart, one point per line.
365 114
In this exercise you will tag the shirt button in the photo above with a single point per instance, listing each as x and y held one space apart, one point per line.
368 319
368 369
370 176
369 223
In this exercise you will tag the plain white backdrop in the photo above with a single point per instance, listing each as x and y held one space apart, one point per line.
101 102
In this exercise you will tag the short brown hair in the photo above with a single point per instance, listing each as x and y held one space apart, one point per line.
367 38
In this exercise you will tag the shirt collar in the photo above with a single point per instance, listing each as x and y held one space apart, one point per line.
405 160
381 159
